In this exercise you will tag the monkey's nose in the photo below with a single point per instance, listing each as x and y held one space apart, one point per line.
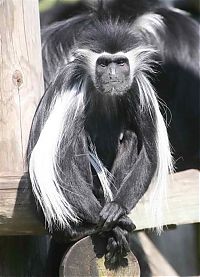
112 70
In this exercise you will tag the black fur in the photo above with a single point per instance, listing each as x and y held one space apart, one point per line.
178 86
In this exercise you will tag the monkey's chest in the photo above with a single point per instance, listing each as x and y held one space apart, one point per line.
107 144
107 149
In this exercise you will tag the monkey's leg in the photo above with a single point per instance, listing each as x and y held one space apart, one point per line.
133 170
127 154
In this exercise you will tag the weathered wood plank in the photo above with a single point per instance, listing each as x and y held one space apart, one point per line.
183 202
17 216
21 80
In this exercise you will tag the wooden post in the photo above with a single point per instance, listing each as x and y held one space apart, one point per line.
21 87
81 260
21 81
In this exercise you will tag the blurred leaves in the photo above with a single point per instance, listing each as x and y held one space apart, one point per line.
47 4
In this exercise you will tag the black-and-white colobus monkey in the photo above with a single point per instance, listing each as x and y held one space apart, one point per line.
98 138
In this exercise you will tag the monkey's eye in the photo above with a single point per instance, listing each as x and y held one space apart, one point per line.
121 62
103 62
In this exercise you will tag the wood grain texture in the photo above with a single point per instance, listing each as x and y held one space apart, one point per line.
21 80
18 217
17 212
183 202
81 260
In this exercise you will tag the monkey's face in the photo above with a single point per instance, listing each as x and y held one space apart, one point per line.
112 74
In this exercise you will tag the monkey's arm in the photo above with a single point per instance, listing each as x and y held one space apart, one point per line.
135 184
71 170
133 173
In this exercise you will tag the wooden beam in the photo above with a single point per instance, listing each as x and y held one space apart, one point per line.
17 216
21 87
182 202
21 80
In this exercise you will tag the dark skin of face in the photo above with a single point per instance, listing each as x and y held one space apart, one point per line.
112 74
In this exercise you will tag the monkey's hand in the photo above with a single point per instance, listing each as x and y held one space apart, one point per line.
117 249
110 215
126 223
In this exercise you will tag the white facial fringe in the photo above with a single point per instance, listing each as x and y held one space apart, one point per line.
103 174
91 59
164 159
140 59
43 167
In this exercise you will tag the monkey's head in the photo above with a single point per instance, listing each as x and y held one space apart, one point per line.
113 57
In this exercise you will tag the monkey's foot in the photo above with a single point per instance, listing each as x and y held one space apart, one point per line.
117 249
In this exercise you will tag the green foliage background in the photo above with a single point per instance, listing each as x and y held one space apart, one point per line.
46 4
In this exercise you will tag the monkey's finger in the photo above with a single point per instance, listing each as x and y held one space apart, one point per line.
114 259
125 234
108 208
126 223
109 244
113 218
121 237
105 209
107 212
111 248
112 245
110 253
124 262
125 246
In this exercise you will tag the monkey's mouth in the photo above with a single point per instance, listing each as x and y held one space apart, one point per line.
114 87
112 82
